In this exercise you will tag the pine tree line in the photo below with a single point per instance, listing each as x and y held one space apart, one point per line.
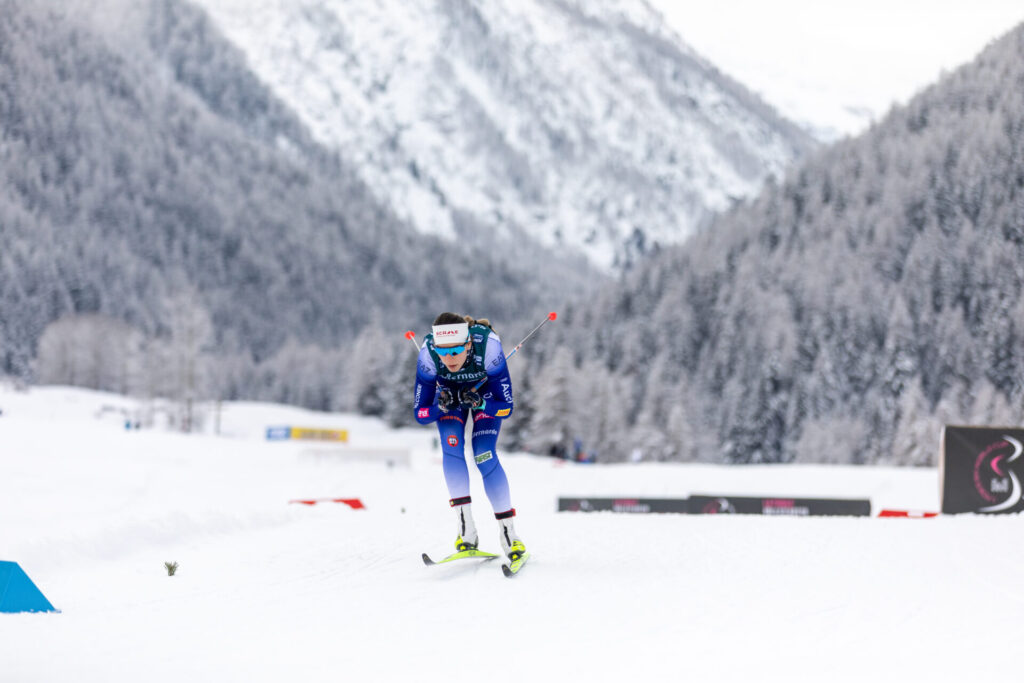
843 315
158 237
141 163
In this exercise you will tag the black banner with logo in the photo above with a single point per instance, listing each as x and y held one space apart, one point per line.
981 470
632 505
703 505
779 506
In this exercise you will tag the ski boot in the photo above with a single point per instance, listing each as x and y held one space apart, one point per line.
510 542
468 539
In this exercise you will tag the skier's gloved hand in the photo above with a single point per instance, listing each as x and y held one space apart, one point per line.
472 399
445 399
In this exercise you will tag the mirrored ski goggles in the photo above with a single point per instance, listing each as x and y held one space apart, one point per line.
451 350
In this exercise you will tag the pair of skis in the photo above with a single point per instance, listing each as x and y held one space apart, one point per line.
509 569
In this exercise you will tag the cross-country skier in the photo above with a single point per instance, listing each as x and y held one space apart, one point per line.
459 354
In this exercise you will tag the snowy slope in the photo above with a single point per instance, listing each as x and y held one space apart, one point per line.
268 591
588 125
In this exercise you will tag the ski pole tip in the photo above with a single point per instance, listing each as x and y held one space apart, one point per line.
410 334
552 315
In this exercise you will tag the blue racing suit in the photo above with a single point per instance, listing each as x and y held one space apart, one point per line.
486 362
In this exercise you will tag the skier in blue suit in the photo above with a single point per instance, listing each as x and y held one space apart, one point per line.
459 354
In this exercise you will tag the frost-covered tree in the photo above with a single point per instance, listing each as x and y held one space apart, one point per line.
836 316
90 350
369 364
916 438
184 355
142 157
551 427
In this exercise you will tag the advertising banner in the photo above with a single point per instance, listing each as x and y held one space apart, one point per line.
778 506
629 505
279 433
306 434
706 505
980 469
312 434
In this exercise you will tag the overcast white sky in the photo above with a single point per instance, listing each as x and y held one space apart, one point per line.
837 65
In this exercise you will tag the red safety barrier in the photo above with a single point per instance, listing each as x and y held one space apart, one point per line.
913 514
353 503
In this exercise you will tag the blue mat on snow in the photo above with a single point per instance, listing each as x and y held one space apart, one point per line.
18 593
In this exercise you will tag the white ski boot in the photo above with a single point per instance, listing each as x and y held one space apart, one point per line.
468 537
510 542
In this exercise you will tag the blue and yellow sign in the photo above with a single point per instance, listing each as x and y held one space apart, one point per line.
306 434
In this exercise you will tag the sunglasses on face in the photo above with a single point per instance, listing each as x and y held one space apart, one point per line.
451 350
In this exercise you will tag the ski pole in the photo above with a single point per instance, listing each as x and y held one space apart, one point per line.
551 316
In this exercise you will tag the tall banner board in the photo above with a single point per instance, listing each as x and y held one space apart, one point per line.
980 469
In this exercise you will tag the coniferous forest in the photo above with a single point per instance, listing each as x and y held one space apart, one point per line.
155 196
843 315
168 228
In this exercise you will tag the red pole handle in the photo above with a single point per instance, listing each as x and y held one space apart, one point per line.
411 336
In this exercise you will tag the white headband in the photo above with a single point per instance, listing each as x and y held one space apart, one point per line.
449 335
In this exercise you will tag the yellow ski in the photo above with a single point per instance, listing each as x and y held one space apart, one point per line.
461 555
513 567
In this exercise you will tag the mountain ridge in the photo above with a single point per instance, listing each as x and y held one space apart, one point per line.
140 167
843 315
589 126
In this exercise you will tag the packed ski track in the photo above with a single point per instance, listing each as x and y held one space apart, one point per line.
269 590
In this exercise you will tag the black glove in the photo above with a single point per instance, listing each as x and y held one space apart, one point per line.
472 399
445 400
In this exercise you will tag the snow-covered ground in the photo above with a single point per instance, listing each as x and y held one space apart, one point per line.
272 591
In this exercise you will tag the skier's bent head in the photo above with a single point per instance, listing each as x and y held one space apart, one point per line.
451 339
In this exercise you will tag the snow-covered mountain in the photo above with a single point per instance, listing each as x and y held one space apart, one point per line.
586 124
146 171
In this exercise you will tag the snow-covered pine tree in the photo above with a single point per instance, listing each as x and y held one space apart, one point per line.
916 441
90 350
187 348
551 429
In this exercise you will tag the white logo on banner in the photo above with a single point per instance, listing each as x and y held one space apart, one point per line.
1016 494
